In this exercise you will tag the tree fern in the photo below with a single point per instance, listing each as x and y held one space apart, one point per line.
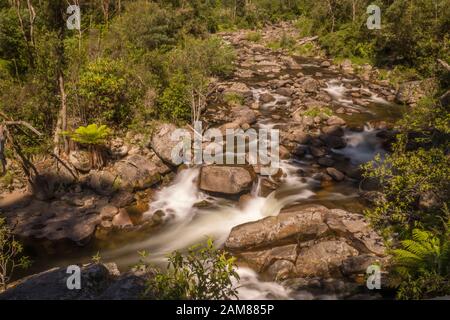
93 137
91 134
424 253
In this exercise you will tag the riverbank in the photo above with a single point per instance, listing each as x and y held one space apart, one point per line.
331 119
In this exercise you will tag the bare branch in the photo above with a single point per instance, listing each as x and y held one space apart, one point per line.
444 64
25 124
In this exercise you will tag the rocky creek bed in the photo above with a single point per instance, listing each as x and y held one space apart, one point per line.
297 234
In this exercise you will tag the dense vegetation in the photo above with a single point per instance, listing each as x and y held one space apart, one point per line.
136 61
11 255
202 273
133 61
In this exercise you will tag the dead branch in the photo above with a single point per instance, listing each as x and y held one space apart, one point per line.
444 64
25 124
307 39
27 165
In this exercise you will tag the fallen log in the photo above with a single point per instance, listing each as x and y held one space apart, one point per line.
306 40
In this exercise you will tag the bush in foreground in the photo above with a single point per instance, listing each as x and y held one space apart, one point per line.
202 273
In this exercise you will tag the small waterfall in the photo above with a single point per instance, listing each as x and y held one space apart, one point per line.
192 224
252 288
335 90
362 146
177 200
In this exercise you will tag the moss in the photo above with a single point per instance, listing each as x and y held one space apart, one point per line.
254 36
7 179
318 112
232 98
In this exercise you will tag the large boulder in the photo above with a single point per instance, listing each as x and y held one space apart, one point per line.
98 282
80 159
307 241
138 172
102 182
243 115
266 98
73 218
51 178
162 142
226 179
310 85
412 91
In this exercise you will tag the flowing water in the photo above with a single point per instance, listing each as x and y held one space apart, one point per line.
189 223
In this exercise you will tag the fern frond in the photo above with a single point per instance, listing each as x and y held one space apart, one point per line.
416 248
421 236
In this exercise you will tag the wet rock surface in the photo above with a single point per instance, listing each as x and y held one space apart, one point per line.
308 241
98 281
226 179
327 115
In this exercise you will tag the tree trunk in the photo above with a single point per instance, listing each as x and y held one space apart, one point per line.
32 17
61 124
17 7
2 149
353 11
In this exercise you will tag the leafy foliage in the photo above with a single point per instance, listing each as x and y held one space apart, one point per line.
192 67
93 137
233 99
11 256
91 134
423 265
425 252
406 179
254 36
203 273
173 103
108 91
415 180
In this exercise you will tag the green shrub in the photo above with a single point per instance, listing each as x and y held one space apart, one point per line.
425 252
348 42
91 134
424 286
203 273
423 265
405 177
93 137
307 50
109 92
174 102
7 179
417 172
284 42
233 99
191 68
143 26
254 36
305 26
210 57
11 255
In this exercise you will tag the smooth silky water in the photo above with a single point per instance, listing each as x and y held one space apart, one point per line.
187 222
